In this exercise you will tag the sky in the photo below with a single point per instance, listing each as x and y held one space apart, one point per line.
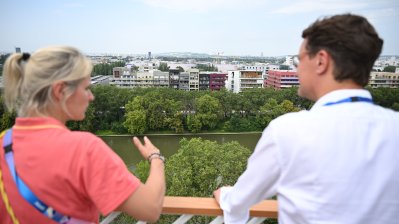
224 27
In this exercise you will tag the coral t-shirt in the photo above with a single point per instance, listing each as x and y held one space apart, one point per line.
74 172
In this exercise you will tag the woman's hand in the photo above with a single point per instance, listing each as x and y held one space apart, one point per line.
145 149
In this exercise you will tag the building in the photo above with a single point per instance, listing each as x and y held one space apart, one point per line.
281 79
217 81
174 77
184 81
145 77
239 80
193 79
161 79
100 80
384 79
204 80
212 80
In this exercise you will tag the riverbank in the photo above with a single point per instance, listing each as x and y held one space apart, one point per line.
183 134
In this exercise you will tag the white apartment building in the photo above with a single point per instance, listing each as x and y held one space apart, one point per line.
240 80
384 79
145 77
193 79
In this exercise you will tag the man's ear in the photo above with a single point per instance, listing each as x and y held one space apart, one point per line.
323 62
58 90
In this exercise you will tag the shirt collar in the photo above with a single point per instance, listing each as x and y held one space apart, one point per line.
337 95
37 123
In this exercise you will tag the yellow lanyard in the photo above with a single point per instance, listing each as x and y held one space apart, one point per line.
5 197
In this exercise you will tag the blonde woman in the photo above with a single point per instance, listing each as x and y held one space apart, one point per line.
51 174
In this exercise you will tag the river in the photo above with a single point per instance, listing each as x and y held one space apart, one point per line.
169 144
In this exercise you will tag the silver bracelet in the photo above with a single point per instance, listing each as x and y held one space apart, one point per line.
156 155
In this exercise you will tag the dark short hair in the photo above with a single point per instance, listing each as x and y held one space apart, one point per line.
352 42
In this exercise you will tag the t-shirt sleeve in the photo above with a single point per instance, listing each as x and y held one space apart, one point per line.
107 180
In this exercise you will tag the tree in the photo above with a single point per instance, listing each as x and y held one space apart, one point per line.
163 67
136 116
284 67
199 167
86 124
135 122
181 69
208 111
106 68
3 58
389 68
210 68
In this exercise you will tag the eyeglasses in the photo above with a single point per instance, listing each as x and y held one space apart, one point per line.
297 58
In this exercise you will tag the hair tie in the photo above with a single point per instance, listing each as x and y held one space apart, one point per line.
25 56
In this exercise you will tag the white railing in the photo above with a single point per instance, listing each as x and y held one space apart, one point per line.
188 207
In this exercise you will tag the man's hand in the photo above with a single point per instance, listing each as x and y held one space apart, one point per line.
216 194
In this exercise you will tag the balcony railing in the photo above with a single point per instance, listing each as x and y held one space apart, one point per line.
188 207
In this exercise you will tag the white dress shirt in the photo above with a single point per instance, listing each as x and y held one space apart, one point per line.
331 164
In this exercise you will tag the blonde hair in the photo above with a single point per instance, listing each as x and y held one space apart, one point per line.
28 80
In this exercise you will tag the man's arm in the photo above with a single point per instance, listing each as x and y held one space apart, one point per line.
257 183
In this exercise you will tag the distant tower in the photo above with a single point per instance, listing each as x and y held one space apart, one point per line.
261 54
149 55
17 50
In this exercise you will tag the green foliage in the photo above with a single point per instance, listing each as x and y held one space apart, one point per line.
385 97
135 122
209 68
169 110
284 67
3 58
6 118
86 124
198 168
272 110
163 67
389 68
106 68
207 111
181 69
194 124
395 106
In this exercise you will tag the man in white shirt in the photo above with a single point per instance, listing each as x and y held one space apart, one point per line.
338 162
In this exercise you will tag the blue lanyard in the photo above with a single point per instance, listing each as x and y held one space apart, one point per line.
350 100
24 189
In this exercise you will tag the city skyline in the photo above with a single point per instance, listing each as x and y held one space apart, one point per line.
224 27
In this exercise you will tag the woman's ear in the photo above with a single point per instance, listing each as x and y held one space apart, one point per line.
58 90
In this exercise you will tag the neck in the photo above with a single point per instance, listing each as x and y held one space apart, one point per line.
346 84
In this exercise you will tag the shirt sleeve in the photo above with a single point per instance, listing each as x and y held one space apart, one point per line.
257 183
108 181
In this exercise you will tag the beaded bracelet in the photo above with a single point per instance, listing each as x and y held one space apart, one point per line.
155 155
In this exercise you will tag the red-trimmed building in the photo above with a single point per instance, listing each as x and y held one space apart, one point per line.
281 79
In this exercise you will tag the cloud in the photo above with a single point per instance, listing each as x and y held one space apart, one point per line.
311 6
200 5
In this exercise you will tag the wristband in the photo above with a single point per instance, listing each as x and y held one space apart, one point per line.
155 155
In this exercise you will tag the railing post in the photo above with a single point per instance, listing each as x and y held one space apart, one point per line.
256 220
183 219
110 218
217 220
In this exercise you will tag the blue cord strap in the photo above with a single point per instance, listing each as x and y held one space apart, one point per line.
350 100
23 189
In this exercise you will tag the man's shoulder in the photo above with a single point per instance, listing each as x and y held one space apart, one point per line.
293 117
